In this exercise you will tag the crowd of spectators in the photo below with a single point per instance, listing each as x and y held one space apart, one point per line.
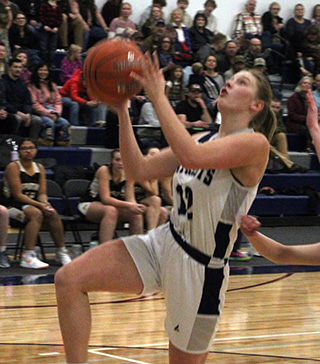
33 31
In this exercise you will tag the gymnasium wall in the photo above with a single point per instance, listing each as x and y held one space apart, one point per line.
225 11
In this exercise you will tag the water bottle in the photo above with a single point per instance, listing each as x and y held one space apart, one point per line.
76 250
14 152
93 244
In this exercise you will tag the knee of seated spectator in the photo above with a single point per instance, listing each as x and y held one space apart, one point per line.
155 201
4 212
110 212
33 213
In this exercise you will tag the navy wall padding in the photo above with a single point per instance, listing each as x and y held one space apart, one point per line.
95 136
289 181
280 205
295 142
314 163
66 156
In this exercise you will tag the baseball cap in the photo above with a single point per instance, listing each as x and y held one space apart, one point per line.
195 87
238 59
160 22
259 62
137 35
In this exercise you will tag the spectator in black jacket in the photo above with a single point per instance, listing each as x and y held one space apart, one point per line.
31 10
8 123
19 101
198 33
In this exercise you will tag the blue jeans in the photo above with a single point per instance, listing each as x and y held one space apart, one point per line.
70 110
48 44
52 130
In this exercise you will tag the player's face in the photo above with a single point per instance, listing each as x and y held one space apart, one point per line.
117 162
27 150
239 92
178 74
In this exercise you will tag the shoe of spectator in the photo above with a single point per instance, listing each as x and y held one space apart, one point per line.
45 142
62 257
31 261
63 143
295 168
4 260
236 255
100 123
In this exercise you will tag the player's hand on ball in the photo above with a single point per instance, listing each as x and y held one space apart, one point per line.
249 225
152 79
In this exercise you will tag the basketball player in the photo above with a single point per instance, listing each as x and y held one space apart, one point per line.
215 181
276 252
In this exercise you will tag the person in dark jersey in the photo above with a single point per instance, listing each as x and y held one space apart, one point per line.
25 196
106 201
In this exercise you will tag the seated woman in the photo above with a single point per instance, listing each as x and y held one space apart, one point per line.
297 113
24 195
147 193
199 33
71 63
46 102
106 201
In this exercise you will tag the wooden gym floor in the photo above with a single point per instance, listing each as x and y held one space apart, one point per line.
271 315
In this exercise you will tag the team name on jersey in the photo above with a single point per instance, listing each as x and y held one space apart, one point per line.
203 175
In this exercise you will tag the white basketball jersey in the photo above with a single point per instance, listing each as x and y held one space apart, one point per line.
207 206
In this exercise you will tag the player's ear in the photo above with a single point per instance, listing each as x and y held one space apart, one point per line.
257 105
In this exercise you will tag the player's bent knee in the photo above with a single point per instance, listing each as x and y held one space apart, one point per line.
111 212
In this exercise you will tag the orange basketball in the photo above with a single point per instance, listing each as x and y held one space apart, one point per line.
107 68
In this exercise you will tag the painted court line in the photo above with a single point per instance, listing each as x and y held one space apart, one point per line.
268 336
96 351
49 354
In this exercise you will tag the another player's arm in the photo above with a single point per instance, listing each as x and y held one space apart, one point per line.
276 252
